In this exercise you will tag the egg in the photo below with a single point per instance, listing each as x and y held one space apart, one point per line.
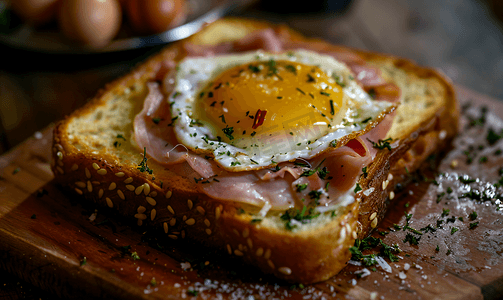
154 16
91 22
254 110
35 12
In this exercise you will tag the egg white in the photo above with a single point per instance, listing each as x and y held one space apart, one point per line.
193 74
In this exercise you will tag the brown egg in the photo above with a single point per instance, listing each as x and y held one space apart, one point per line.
35 12
91 22
154 16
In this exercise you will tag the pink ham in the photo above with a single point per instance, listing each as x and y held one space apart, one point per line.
278 188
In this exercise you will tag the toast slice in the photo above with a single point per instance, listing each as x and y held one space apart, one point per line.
94 155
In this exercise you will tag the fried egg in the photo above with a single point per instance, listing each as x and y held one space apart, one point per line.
256 109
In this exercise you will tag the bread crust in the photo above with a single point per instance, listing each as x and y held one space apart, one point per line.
176 206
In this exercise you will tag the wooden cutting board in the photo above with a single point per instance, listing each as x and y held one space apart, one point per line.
49 238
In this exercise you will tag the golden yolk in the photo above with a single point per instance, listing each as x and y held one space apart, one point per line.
266 98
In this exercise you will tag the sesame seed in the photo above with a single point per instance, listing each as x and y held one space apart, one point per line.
153 212
95 166
121 194
172 222
140 216
171 209
165 226
78 191
59 155
373 216
240 247
229 249
218 210
112 186
285 270
168 194
102 172
120 174
89 186
374 223
391 195
75 167
201 210
385 184
173 237
146 189
184 218
355 235
207 222
139 189
130 187
236 232
60 163
183 234
128 180
60 170
80 184
246 232
259 252
88 174
153 194
390 177
270 263
100 193
151 201
95 182
267 254
109 202
141 209
208 231
250 243
140 222
348 228
190 221
238 253
190 204
342 235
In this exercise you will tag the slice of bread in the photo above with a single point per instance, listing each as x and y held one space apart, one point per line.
94 156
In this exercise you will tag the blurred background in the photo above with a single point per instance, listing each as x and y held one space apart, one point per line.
46 72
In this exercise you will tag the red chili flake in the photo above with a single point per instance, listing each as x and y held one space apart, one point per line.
259 118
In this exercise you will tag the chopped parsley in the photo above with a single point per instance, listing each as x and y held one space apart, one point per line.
473 215
357 188
365 173
315 195
453 230
301 187
412 240
303 216
492 137
143 164
135 256
193 292
83 261
474 224
301 91
381 144
228 131
156 120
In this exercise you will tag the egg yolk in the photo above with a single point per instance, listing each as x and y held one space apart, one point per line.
261 99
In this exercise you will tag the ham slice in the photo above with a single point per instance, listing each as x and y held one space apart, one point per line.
289 185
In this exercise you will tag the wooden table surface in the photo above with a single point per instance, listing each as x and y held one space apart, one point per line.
462 39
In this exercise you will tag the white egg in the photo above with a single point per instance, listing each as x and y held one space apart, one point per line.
254 110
